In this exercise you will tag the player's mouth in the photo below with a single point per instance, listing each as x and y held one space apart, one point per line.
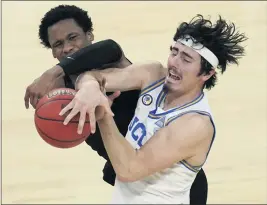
173 76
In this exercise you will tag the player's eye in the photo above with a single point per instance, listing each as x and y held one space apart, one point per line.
56 45
72 37
187 61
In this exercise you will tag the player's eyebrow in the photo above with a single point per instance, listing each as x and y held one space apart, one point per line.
184 53
72 33
187 55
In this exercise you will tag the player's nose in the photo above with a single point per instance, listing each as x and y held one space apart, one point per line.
68 49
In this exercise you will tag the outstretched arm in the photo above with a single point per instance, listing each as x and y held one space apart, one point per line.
134 77
95 56
90 96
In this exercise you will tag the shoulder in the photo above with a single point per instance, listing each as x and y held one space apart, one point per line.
154 71
149 65
193 124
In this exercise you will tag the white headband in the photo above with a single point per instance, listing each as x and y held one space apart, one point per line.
201 49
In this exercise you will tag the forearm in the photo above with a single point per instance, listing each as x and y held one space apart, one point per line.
111 75
134 77
56 71
93 56
120 152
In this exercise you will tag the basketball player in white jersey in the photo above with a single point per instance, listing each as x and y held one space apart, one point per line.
173 129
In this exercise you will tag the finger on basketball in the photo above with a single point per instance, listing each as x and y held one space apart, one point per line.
70 116
81 121
35 101
92 120
26 98
67 108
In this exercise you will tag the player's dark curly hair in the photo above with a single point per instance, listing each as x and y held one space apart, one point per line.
221 38
62 12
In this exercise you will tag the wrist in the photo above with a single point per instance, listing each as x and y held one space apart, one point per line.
56 71
94 77
87 85
104 119
84 81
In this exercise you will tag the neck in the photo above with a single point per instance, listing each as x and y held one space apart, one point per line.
174 99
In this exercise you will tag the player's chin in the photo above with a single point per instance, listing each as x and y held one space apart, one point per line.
172 85
168 87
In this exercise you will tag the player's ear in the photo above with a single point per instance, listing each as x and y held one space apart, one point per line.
54 53
90 36
208 75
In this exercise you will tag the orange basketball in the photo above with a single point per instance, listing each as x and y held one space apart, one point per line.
49 123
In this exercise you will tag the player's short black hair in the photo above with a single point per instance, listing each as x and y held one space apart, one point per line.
63 12
221 38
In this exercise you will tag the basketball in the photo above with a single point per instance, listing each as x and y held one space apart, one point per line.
49 123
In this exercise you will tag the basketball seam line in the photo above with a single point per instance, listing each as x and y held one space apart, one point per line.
57 139
54 119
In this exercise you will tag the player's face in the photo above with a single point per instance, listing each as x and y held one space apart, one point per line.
183 69
66 37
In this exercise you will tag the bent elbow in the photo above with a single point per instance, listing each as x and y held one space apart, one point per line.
132 175
127 178
134 171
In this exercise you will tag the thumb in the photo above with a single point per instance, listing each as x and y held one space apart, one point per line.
114 95
107 108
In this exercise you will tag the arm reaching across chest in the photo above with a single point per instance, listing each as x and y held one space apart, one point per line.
168 146
133 77
90 95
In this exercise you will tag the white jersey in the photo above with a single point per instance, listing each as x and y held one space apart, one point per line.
169 186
